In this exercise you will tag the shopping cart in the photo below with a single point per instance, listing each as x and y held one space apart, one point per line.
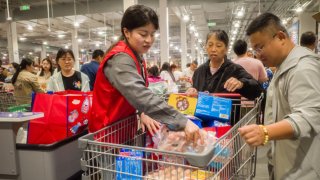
119 152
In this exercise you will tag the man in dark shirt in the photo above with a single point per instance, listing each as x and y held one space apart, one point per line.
90 69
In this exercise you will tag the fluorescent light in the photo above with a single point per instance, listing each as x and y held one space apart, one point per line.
115 37
76 24
192 28
61 35
30 28
237 24
30 53
45 43
79 40
299 9
186 18
22 38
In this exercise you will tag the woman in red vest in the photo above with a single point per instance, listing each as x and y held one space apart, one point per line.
121 83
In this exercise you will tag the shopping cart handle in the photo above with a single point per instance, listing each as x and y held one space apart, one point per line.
227 95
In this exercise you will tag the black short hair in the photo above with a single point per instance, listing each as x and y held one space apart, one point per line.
96 53
195 62
240 47
221 35
264 21
154 71
308 38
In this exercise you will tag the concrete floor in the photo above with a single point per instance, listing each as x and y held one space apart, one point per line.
262 163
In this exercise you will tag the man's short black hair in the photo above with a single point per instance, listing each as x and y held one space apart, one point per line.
97 53
265 21
240 47
195 62
308 38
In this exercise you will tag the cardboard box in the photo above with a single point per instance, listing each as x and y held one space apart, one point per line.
184 104
129 161
213 108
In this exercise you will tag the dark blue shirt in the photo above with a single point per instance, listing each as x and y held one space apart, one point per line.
90 69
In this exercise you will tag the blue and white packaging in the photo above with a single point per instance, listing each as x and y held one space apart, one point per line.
213 108
129 161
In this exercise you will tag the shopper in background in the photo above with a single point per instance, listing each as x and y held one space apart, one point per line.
25 82
295 100
309 40
2 75
189 71
46 71
219 74
67 78
176 73
253 66
166 73
154 74
90 69
121 83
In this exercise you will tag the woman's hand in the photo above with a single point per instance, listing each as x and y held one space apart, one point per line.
193 132
191 92
233 84
151 124
252 134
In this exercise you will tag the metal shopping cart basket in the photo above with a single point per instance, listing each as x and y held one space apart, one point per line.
118 152
11 103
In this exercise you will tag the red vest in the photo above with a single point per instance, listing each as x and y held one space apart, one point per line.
108 105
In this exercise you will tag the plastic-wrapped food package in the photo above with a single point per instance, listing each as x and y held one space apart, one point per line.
176 141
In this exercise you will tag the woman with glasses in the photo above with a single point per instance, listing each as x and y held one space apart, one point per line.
67 78
221 75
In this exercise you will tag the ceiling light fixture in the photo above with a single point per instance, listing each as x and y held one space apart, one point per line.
61 36
115 38
79 40
192 28
30 28
45 43
22 38
186 18
76 24
240 12
299 9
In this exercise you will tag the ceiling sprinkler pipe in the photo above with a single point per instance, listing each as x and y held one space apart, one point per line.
9 18
48 9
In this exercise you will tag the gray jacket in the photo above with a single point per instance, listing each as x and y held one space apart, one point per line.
55 83
122 73
296 98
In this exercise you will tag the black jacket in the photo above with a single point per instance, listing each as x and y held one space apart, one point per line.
204 81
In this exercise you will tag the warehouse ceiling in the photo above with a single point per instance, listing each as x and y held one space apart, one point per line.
51 23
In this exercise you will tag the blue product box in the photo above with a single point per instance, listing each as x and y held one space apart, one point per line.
195 120
213 108
129 162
